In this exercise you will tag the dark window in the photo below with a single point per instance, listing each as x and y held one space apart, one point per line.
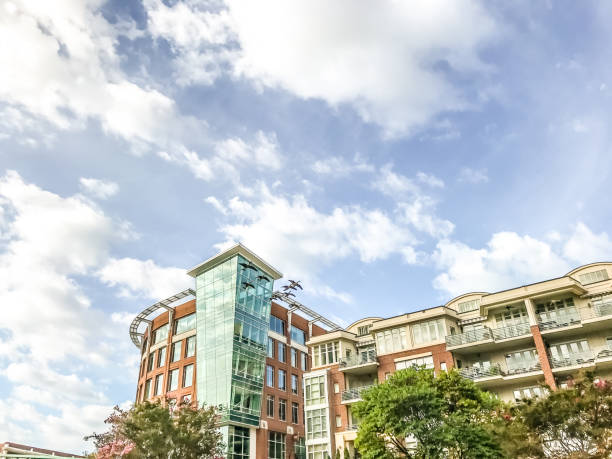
294 384
294 354
270 348
282 379
270 406
281 352
269 376
282 409
295 408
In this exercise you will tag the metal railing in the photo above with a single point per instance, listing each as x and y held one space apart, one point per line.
476 372
526 367
362 358
512 331
354 394
578 358
565 319
472 336
604 353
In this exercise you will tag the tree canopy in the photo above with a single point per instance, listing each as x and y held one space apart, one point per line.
415 414
149 430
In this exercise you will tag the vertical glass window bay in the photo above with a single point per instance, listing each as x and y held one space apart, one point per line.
315 390
277 325
316 424
185 324
161 334
427 332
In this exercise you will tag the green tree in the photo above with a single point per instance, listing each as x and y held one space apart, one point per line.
571 423
150 431
447 415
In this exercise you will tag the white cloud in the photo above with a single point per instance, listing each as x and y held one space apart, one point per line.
394 49
144 278
392 184
340 167
62 68
420 213
101 189
430 179
290 232
469 175
509 259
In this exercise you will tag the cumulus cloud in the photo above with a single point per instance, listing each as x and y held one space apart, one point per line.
144 278
99 188
397 50
509 259
340 167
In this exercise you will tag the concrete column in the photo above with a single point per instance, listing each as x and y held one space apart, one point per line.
549 378
252 443
533 320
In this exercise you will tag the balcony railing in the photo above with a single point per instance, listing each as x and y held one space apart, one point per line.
472 336
354 394
363 358
558 320
475 373
526 367
512 331
604 353
578 358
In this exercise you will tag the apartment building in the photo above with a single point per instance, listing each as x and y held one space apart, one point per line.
225 343
508 342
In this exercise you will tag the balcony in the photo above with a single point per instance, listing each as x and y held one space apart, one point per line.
577 359
554 321
361 363
526 367
477 373
354 395
472 336
511 331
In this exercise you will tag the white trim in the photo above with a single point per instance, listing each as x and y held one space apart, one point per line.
415 356
277 336
184 335
299 347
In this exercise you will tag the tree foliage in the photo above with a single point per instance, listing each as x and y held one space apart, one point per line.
150 431
448 416
569 423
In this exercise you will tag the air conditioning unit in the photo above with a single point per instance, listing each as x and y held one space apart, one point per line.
289 430
263 424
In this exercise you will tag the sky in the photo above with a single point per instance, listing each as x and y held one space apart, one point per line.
390 155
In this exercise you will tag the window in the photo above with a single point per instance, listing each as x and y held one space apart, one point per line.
294 384
147 392
159 384
282 379
595 276
421 362
294 354
281 352
466 306
295 412
528 392
570 353
185 324
173 379
511 316
276 445
315 390
277 325
151 361
555 310
190 346
326 353
269 376
316 424
522 360
161 357
160 334
304 361
282 409
426 332
270 348
336 388
298 336
188 375
391 340
176 352
270 406
363 330
238 442
443 366
338 420
318 451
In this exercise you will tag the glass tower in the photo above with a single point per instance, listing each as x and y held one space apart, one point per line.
233 292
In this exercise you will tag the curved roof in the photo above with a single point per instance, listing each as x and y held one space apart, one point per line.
142 317
365 319
463 295
579 268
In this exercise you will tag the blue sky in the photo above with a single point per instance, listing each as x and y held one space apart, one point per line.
391 155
